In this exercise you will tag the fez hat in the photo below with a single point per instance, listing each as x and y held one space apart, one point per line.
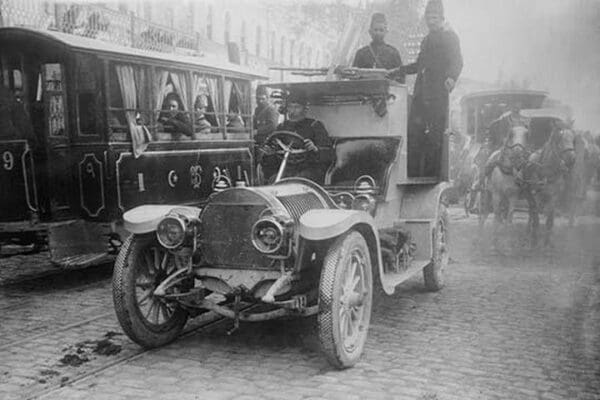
435 7
378 18
297 97
262 91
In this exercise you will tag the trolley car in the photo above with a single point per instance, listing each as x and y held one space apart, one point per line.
106 137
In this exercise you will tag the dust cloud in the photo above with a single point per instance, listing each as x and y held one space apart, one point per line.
551 45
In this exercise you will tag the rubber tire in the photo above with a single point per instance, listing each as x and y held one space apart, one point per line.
329 289
125 302
433 273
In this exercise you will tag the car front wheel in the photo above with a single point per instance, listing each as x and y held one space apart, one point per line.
142 264
345 297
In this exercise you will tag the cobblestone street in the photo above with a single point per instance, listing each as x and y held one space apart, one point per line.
520 325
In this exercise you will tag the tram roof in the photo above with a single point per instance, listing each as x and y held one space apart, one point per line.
559 113
75 42
503 94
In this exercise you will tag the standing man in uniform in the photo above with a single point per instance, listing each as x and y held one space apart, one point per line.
266 116
438 67
379 54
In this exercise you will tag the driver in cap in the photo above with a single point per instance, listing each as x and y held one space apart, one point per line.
316 142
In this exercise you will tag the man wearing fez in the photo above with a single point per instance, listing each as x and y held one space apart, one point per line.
266 116
379 54
437 67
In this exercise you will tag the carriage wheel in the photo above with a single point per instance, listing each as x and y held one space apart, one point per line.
142 264
433 272
345 297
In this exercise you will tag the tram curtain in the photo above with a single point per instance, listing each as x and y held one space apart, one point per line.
213 90
228 87
200 87
243 94
160 88
181 87
140 137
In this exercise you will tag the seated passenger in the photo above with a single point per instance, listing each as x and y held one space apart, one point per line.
202 126
317 143
266 116
175 121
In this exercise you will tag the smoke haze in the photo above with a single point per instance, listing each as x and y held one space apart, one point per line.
551 45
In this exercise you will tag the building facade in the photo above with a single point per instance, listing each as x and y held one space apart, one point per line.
260 35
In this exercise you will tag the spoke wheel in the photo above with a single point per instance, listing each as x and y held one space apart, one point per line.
433 273
345 297
142 264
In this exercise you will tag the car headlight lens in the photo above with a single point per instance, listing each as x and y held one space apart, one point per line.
171 232
267 235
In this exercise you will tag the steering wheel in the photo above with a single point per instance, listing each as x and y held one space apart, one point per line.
287 142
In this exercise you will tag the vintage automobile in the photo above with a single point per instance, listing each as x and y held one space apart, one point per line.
99 146
295 247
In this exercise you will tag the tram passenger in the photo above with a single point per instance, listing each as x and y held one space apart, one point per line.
173 120
266 116
316 141
202 126
14 121
379 54
438 67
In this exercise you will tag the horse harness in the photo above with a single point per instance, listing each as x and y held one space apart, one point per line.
550 164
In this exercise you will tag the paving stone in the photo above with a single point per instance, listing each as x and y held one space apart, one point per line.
505 327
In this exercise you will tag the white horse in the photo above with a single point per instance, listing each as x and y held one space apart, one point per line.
501 185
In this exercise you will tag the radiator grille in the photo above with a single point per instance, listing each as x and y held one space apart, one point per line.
298 204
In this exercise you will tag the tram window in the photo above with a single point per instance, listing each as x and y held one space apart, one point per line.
238 100
128 99
116 116
172 105
207 119
17 80
88 100
54 90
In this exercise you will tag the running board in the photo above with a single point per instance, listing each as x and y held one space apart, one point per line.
78 244
83 260
393 279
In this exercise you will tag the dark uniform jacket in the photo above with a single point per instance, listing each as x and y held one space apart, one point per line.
379 56
180 123
314 130
439 59
265 122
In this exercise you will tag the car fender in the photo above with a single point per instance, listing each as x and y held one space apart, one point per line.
422 201
323 224
419 212
145 219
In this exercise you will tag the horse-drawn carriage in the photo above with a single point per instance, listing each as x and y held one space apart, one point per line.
478 111
295 247
537 168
